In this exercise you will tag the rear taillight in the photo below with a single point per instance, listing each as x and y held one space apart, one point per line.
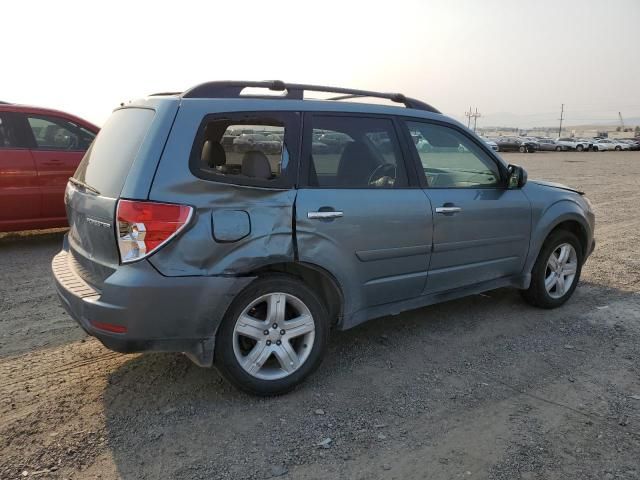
143 227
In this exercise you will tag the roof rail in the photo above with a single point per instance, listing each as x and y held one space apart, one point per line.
5 103
295 91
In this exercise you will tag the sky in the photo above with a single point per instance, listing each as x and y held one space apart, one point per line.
516 61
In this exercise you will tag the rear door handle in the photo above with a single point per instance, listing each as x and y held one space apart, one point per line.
448 210
324 215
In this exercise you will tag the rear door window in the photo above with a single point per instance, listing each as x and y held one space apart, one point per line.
247 149
353 152
106 164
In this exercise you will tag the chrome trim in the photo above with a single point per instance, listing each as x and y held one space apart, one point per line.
448 209
324 215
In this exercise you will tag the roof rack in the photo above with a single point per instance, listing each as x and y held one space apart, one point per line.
295 91
5 103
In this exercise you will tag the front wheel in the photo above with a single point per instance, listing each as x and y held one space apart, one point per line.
558 149
522 149
579 148
273 336
618 149
595 149
556 272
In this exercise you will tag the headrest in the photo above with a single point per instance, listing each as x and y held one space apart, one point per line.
213 154
356 165
255 164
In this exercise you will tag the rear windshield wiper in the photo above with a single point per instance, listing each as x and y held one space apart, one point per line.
80 183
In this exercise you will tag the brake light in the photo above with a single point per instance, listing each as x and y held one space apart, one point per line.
143 227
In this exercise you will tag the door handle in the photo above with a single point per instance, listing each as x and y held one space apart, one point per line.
448 210
323 215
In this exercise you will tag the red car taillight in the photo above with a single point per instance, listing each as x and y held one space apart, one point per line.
143 227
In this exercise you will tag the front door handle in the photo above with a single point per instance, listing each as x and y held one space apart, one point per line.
323 215
448 210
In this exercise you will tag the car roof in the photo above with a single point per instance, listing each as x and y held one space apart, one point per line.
19 108
228 95
252 104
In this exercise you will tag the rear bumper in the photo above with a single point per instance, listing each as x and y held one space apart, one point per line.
154 312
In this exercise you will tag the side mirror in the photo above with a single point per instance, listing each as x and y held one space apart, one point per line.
517 177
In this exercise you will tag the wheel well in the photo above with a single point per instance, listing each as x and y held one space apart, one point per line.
316 278
577 229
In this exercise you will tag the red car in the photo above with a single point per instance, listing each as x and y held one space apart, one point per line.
39 150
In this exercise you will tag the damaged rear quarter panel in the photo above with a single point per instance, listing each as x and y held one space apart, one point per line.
195 251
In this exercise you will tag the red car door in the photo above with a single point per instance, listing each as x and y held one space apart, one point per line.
20 201
58 149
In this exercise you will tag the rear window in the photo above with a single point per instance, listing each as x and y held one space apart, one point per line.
107 162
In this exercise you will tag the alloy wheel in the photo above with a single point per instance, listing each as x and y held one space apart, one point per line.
273 336
561 270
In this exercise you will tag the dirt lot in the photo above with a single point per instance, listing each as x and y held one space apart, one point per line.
484 387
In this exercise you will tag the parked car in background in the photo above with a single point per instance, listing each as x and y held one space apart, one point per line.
550 145
573 144
620 144
246 142
251 269
516 144
587 143
634 144
334 141
491 143
40 149
603 145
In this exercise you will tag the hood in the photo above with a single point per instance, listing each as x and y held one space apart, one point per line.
556 185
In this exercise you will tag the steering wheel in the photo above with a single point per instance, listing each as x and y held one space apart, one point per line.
386 171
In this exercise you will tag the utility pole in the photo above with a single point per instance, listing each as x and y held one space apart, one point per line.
475 118
621 121
561 118
471 114
468 114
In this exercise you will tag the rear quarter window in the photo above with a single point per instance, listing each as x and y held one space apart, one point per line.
106 164
253 149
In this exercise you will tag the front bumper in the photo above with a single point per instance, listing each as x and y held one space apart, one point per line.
170 314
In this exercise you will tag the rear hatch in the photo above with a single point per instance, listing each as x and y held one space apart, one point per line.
93 191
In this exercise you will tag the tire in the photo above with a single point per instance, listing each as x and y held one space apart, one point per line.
537 294
558 149
595 149
618 149
579 148
522 149
270 378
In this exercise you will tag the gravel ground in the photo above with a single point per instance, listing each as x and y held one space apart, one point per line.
483 387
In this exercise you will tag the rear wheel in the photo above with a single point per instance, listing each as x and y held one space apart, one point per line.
522 149
595 149
579 148
556 272
618 148
558 149
273 336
